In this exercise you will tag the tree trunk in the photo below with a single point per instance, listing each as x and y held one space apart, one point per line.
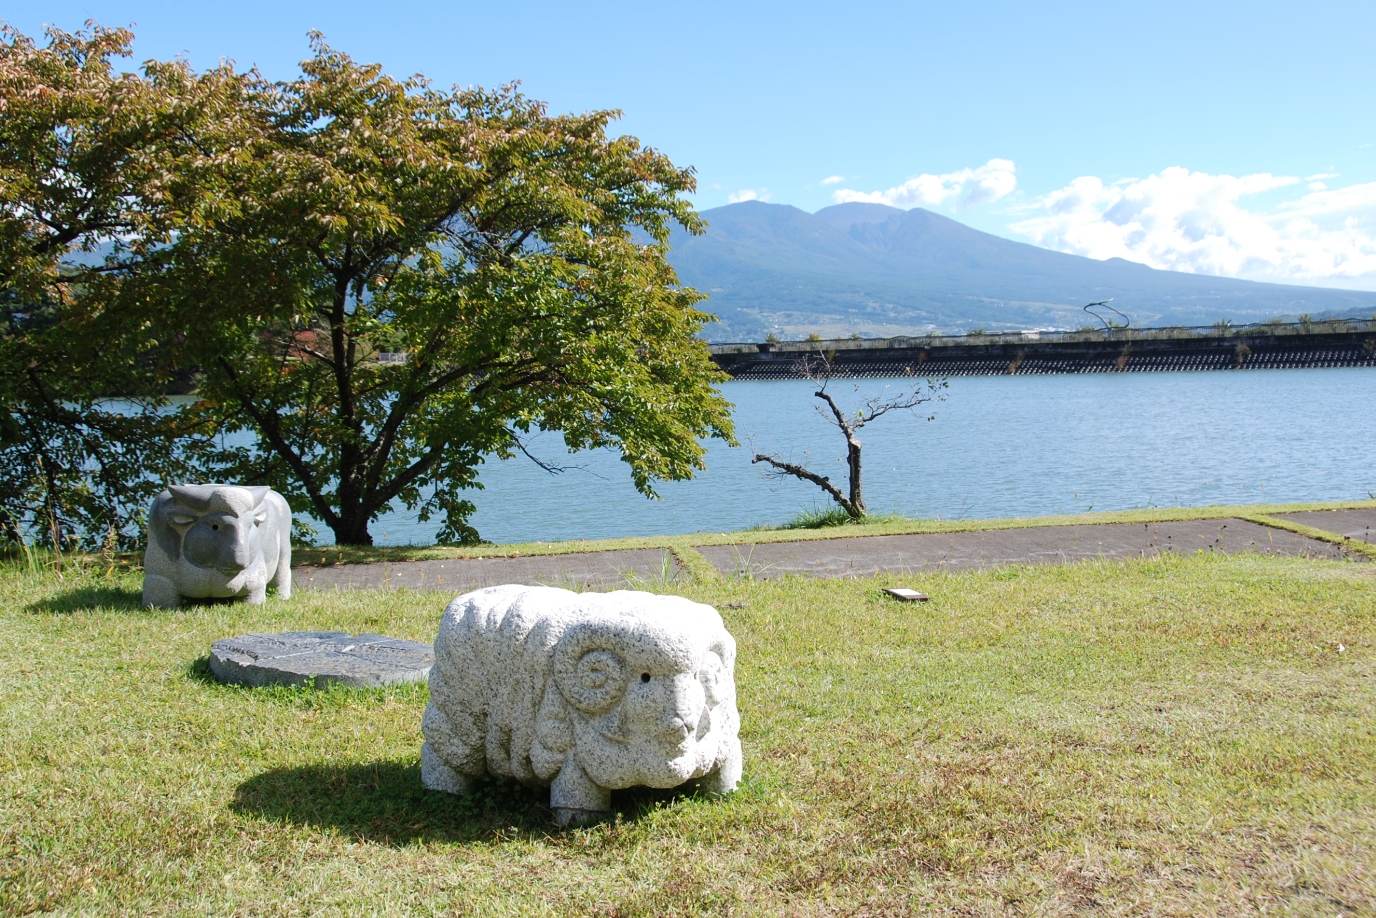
856 508
351 527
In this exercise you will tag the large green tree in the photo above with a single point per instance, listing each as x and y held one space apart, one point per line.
515 260
88 169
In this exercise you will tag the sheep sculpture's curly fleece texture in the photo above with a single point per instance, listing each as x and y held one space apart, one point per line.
581 692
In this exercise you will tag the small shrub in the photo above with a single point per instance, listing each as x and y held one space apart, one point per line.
826 517
818 518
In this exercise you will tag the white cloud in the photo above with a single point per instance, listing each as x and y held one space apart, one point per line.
1192 221
1320 175
991 181
1354 200
747 194
833 179
1317 186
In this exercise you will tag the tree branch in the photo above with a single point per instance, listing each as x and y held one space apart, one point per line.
878 409
841 420
548 467
797 471
272 428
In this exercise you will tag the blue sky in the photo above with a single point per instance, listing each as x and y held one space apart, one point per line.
1226 138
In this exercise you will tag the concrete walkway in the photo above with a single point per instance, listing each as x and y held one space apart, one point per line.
855 557
1355 524
963 551
602 570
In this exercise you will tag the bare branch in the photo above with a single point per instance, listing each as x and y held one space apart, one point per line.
877 408
547 466
847 427
797 471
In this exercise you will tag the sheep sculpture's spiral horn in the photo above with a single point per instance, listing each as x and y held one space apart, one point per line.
591 677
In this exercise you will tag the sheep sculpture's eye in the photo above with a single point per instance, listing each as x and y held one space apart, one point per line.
215 526
644 677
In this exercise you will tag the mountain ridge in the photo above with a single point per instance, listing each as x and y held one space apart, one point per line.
872 269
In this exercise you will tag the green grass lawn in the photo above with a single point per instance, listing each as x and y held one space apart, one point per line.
1184 736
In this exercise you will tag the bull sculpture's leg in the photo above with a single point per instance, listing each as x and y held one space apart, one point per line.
575 799
435 774
160 592
281 580
258 592
728 774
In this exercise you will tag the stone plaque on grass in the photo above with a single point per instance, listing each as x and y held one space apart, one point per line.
297 657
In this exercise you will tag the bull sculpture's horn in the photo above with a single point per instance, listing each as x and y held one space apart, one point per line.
194 497
202 498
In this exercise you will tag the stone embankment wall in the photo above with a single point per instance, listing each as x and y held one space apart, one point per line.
1135 351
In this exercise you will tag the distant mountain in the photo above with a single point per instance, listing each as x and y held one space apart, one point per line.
873 269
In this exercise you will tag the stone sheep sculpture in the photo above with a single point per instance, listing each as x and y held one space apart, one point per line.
583 693
216 541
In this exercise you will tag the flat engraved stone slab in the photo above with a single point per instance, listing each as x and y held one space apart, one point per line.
295 657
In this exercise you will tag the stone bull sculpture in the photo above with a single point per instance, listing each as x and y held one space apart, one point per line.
581 692
216 541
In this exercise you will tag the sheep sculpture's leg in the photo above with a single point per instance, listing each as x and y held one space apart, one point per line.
436 775
724 780
575 799
160 592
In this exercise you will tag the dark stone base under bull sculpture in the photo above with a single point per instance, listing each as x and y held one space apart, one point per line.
297 657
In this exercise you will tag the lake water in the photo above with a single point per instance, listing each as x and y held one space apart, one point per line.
999 446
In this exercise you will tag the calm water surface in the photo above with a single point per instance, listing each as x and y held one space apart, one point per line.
999 446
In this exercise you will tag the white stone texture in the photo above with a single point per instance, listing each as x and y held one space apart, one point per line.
585 693
216 541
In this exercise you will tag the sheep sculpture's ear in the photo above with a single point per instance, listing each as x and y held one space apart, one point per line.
725 648
714 677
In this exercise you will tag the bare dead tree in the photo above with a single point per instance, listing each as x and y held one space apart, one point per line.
820 369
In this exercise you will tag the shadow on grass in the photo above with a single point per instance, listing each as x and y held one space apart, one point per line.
312 694
198 670
383 803
90 598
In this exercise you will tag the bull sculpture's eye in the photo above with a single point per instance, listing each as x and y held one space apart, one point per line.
215 526
644 677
